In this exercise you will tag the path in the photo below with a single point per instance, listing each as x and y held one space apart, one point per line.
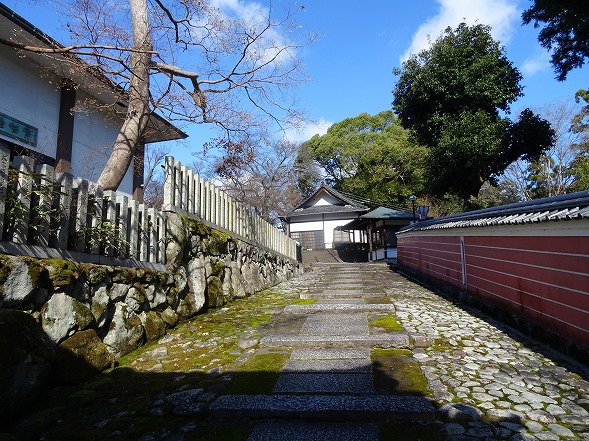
329 377
350 352
488 381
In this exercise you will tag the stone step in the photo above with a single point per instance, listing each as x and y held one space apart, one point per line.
366 408
392 340
272 431
341 294
340 307
332 383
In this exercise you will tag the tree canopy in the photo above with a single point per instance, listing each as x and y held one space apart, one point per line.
565 31
370 155
455 98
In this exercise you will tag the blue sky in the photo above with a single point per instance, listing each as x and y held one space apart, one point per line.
350 66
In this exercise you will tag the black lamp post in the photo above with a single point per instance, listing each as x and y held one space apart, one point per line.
413 198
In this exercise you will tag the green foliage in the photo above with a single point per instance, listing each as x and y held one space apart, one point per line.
41 189
492 196
453 97
580 169
104 235
371 156
565 32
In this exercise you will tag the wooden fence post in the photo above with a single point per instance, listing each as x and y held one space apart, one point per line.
134 229
169 182
4 165
95 213
110 219
81 219
46 189
63 204
24 188
123 231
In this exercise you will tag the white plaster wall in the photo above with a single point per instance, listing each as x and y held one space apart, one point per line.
94 135
306 226
32 97
327 225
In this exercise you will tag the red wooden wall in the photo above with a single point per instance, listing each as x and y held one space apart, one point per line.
544 279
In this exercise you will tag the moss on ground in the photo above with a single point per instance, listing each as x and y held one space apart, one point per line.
387 322
305 302
258 374
201 353
395 371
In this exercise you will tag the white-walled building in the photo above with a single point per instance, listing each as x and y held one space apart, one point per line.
314 222
38 96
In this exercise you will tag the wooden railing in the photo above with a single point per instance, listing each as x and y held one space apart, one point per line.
186 192
44 210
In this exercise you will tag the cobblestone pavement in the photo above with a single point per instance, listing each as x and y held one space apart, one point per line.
490 381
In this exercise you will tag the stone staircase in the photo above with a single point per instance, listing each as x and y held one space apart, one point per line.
325 391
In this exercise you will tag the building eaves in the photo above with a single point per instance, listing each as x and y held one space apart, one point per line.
324 209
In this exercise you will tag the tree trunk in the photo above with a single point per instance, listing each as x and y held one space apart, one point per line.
138 111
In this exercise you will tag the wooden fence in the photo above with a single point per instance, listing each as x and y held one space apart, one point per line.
41 210
186 192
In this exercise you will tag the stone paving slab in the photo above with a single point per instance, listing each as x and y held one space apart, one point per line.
348 301
354 365
344 307
329 354
392 340
322 407
268 431
342 294
324 383
335 324
342 287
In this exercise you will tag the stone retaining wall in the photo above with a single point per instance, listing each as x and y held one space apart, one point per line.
63 320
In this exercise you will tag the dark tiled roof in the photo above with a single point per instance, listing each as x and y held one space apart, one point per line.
557 208
320 209
348 206
387 213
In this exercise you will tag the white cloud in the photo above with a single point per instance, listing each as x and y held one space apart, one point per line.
254 17
308 131
501 15
538 62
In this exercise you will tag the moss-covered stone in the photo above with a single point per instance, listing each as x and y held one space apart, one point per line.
124 275
217 267
216 242
26 359
62 272
154 326
196 227
96 273
38 273
214 292
80 357
4 270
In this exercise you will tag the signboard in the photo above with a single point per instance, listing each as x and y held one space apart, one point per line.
18 130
